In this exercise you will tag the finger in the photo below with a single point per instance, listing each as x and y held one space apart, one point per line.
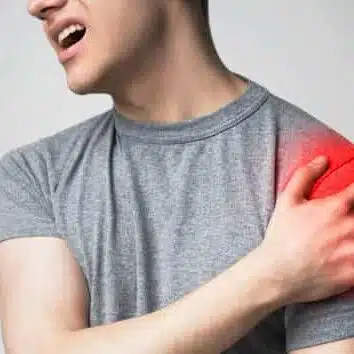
347 196
346 278
345 228
304 178
345 252
342 242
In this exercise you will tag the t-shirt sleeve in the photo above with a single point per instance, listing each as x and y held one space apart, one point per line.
25 203
331 319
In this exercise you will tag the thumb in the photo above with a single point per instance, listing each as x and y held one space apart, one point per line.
304 179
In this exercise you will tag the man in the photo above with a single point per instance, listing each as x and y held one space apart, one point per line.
151 227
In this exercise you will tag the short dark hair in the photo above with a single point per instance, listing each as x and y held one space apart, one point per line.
205 7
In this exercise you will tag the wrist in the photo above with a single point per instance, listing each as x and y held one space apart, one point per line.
226 308
263 270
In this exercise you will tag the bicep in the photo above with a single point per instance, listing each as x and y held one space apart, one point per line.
345 346
43 293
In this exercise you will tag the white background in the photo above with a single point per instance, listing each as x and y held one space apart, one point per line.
301 50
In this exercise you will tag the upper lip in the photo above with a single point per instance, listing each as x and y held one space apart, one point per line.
59 25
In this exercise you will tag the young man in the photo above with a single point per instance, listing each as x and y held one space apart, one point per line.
152 227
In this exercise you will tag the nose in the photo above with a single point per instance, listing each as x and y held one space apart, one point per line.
41 8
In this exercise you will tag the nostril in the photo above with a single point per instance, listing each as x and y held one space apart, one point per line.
40 11
41 16
43 12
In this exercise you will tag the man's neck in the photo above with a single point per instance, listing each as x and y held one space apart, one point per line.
181 78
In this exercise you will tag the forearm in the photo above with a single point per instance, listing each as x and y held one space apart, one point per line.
208 320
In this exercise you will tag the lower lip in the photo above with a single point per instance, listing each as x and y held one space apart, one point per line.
67 54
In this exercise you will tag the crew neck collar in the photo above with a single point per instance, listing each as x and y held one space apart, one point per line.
197 128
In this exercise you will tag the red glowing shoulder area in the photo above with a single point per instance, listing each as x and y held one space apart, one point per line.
340 154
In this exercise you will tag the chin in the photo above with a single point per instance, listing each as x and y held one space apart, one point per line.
85 82
100 77
80 88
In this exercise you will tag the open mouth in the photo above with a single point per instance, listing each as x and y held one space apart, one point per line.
71 35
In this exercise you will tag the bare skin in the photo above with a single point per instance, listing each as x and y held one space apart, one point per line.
49 285
143 55
153 57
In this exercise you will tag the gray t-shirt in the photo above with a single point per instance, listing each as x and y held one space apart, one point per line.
153 211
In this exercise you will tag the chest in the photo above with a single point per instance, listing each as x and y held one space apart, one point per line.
149 225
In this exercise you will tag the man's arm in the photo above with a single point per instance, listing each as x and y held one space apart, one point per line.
44 306
44 302
345 346
333 319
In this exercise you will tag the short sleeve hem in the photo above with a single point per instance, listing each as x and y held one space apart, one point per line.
25 205
320 330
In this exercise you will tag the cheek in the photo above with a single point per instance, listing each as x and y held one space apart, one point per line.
126 25
109 37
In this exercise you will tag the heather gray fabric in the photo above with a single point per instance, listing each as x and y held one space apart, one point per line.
153 211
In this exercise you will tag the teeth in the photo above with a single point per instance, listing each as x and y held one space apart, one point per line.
67 31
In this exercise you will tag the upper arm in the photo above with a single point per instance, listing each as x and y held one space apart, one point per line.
345 346
326 326
42 289
42 293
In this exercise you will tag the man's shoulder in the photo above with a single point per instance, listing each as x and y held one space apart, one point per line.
64 138
49 154
292 120
301 137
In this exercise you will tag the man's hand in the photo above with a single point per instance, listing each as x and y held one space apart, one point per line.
310 243
305 256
